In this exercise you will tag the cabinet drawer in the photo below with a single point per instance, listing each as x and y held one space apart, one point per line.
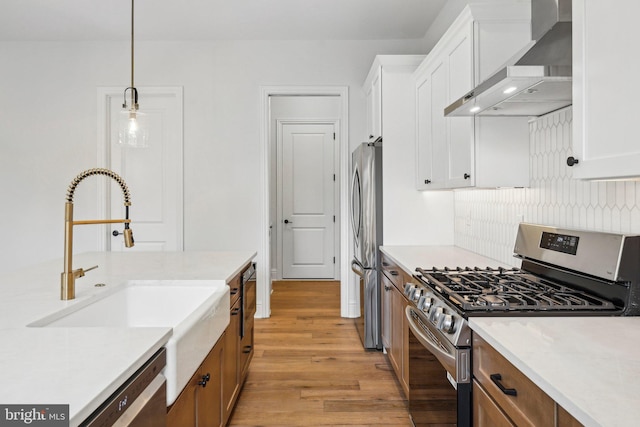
527 405
396 275
234 289
485 411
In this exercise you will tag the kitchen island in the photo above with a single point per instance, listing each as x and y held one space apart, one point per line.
587 364
83 366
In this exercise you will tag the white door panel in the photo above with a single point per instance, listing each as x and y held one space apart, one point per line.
307 189
153 174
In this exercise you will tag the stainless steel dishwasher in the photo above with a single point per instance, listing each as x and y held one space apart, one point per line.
140 402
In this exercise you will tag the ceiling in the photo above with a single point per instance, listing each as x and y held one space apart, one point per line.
93 20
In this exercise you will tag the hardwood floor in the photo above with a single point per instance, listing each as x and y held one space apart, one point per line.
309 367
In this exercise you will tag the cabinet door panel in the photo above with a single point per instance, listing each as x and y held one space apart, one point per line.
424 145
604 119
374 107
460 129
387 289
209 398
440 148
485 411
230 385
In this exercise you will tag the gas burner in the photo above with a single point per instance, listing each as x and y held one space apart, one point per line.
507 289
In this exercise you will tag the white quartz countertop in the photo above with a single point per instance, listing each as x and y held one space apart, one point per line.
83 366
411 257
589 365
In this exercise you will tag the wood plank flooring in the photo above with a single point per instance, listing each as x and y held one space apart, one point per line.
309 367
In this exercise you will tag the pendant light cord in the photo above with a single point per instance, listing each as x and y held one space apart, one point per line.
132 21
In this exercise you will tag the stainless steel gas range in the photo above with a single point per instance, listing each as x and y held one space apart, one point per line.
563 273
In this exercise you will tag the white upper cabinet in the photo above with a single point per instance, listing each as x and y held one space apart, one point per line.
374 104
459 152
605 64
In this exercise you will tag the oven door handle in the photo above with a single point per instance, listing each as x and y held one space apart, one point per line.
446 357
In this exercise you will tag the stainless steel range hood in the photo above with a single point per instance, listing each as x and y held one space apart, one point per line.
537 80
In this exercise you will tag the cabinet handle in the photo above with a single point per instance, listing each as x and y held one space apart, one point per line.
387 288
467 176
496 378
247 349
370 136
205 379
385 264
572 161
234 291
393 272
427 181
235 311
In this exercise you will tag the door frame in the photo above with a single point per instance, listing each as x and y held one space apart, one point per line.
264 255
336 197
105 94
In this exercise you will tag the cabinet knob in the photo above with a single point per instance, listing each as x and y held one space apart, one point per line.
467 176
427 181
572 161
205 379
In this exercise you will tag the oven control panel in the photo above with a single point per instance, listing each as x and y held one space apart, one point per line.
559 242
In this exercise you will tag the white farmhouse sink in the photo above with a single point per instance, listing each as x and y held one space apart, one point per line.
196 310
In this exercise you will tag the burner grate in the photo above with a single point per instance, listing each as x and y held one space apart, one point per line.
489 289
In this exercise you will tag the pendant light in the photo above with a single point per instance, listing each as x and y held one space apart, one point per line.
132 129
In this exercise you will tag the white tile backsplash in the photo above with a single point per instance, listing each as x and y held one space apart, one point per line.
486 221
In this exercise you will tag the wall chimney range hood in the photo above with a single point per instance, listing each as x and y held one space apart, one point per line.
534 82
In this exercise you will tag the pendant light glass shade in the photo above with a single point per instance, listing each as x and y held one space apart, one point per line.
133 129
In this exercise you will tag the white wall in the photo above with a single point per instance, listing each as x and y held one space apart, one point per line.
487 220
48 128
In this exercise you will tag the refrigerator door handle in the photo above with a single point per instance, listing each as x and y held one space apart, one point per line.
357 268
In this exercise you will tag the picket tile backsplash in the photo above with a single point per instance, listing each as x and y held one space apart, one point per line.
486 221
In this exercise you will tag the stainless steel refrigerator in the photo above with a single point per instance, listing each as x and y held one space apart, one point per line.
366 221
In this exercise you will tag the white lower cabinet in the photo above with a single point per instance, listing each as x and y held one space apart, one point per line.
464 152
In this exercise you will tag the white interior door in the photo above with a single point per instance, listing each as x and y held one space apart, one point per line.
307 217
154 174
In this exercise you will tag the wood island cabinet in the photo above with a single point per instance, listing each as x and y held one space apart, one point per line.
199 403
212 392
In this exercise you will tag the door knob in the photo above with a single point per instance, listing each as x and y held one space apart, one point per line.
286 221
116 233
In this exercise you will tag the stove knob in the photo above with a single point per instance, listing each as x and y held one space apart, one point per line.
437 314
428 303
408 289
416 294
447 324
421 302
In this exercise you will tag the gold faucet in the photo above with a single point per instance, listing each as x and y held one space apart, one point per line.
68 279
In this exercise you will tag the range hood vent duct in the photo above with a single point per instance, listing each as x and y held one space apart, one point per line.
534 82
